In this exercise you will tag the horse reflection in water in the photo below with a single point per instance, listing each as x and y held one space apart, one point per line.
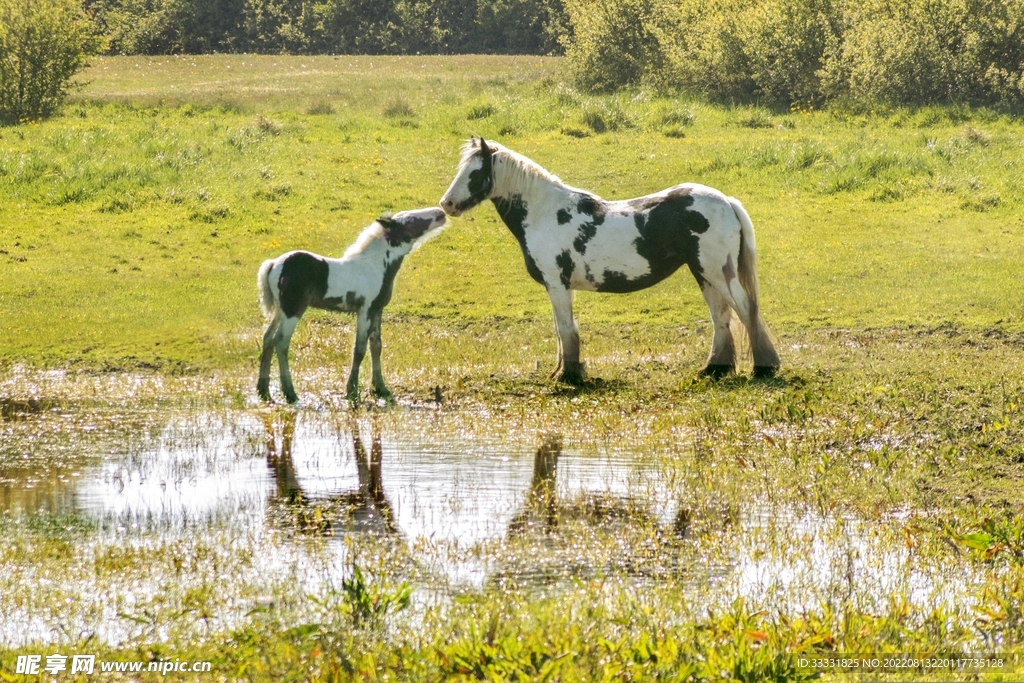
543 510
364 508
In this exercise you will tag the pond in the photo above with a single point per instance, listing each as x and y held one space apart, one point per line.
138 509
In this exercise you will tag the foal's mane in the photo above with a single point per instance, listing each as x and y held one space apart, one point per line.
373 231
518 171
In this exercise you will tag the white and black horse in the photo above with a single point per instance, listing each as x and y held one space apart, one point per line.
574 240
360 282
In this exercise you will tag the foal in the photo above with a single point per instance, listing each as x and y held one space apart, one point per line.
360 282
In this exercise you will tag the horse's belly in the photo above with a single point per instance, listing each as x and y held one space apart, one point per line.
619 282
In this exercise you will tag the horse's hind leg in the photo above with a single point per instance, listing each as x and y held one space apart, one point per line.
379 387
266 356
358 353
284 339
766 360
569 369
722 359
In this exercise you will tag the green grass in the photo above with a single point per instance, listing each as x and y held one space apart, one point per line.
890 249
142 213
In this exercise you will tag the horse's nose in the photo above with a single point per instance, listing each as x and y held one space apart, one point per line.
448 206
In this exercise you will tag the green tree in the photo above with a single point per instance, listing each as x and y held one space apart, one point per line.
43 44
170 26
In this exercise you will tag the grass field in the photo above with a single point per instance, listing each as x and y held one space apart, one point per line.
890 251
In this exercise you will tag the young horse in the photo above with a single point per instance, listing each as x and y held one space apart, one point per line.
360 282
572 239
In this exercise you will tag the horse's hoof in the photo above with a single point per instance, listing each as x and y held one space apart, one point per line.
765 371
572 374
263 390
716 371
291 397
384 393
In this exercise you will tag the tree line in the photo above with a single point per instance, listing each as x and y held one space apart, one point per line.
804 52
330 26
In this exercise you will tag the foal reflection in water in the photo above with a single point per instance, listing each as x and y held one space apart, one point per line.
365 507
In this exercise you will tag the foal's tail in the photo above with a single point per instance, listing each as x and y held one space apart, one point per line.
760 338
266 292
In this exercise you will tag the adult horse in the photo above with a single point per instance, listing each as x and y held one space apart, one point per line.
574 240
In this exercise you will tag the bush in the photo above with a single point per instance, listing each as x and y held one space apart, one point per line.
912 52
614 42
43 44
786 43
787 51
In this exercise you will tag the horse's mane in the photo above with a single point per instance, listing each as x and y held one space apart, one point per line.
374 231
518 171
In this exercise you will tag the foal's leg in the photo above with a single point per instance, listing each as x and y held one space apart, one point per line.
283 339
722 359
358 352
379 388
569 368
266 356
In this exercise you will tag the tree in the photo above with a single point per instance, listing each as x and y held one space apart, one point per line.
43 44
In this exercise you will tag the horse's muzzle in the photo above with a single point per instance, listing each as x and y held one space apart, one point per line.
450 208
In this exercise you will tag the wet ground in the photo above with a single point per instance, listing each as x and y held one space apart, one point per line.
148 509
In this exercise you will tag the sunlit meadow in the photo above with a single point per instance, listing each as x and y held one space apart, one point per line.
491 524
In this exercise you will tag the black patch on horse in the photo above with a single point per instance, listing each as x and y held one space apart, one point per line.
513 211
481 181
590 206
350 303
669 238
398 233
563 216
303 280
566 266
587 232
387 287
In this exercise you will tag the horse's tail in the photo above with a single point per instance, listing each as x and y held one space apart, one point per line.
760 338
266 291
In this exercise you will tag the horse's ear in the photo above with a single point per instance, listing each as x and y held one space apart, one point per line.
485 156
389 223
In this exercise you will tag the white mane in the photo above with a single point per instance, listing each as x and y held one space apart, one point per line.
374 231
516 170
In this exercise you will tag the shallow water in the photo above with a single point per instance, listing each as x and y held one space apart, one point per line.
465 505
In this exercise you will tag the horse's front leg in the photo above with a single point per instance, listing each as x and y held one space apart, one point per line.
358 352
569 369
379 388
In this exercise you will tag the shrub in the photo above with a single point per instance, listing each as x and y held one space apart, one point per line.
43 44
787 51
911 52
614 42
786 43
